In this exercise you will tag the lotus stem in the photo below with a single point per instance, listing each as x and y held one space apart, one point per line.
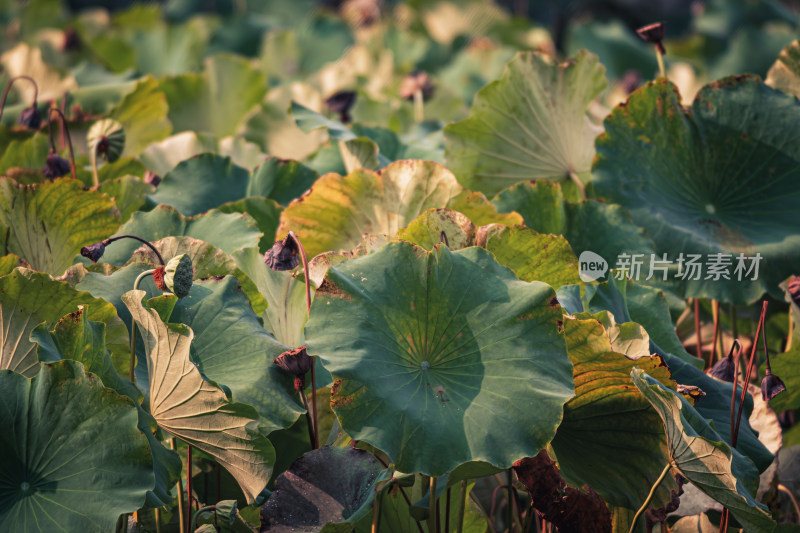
173 444
796 506
509 506
578 183
157 512
432 518
738 347
402 490
482 512
660 58
376 512
64 128
462 504
143 241
132 375
8 88
447 512
790 334
202 510
93 160
304 258
419 114
697 328
530 516
761 320
311 433
189 520
649 496
714 348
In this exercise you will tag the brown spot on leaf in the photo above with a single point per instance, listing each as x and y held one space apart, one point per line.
329 288
553 303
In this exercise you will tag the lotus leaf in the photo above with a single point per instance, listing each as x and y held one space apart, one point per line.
467 366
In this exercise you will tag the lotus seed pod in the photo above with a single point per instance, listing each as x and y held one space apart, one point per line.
723 369
178 275
654 34
107 138
297 362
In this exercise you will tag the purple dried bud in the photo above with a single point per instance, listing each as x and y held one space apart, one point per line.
654 34
416 81
284 255
297 362
94 251
151 178
771 386
341 103
30 117
71 40
723 369
794 289
56 166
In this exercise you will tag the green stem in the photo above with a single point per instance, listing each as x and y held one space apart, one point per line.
93 159
649 496
432 506
578 183
462 504
419 115
661 68
173 444
132 375
202 510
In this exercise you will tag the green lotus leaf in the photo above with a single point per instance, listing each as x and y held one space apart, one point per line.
481 211
339 210
265 211
440 225
143 115
630 302
48 223
227 232
702 457
23 159
325 486
163 156
465 365
605 229
171 48
195 410
319 265
77 338
129 194
72 457
281 180
360 152
530 124
232 349
611 439
533 256
202 183
286 312
717 178
28 298
784 75
216 100
9 262
275 131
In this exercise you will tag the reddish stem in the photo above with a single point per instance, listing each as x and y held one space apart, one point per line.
8 88
63 129
697 328
715 314
189 488
735 435
304 258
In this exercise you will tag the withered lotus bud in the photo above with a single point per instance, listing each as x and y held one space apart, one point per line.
341 102
30 117
654 34
94 251
794 289
151 178
284 255
416 81
297 362
56 166
771 386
